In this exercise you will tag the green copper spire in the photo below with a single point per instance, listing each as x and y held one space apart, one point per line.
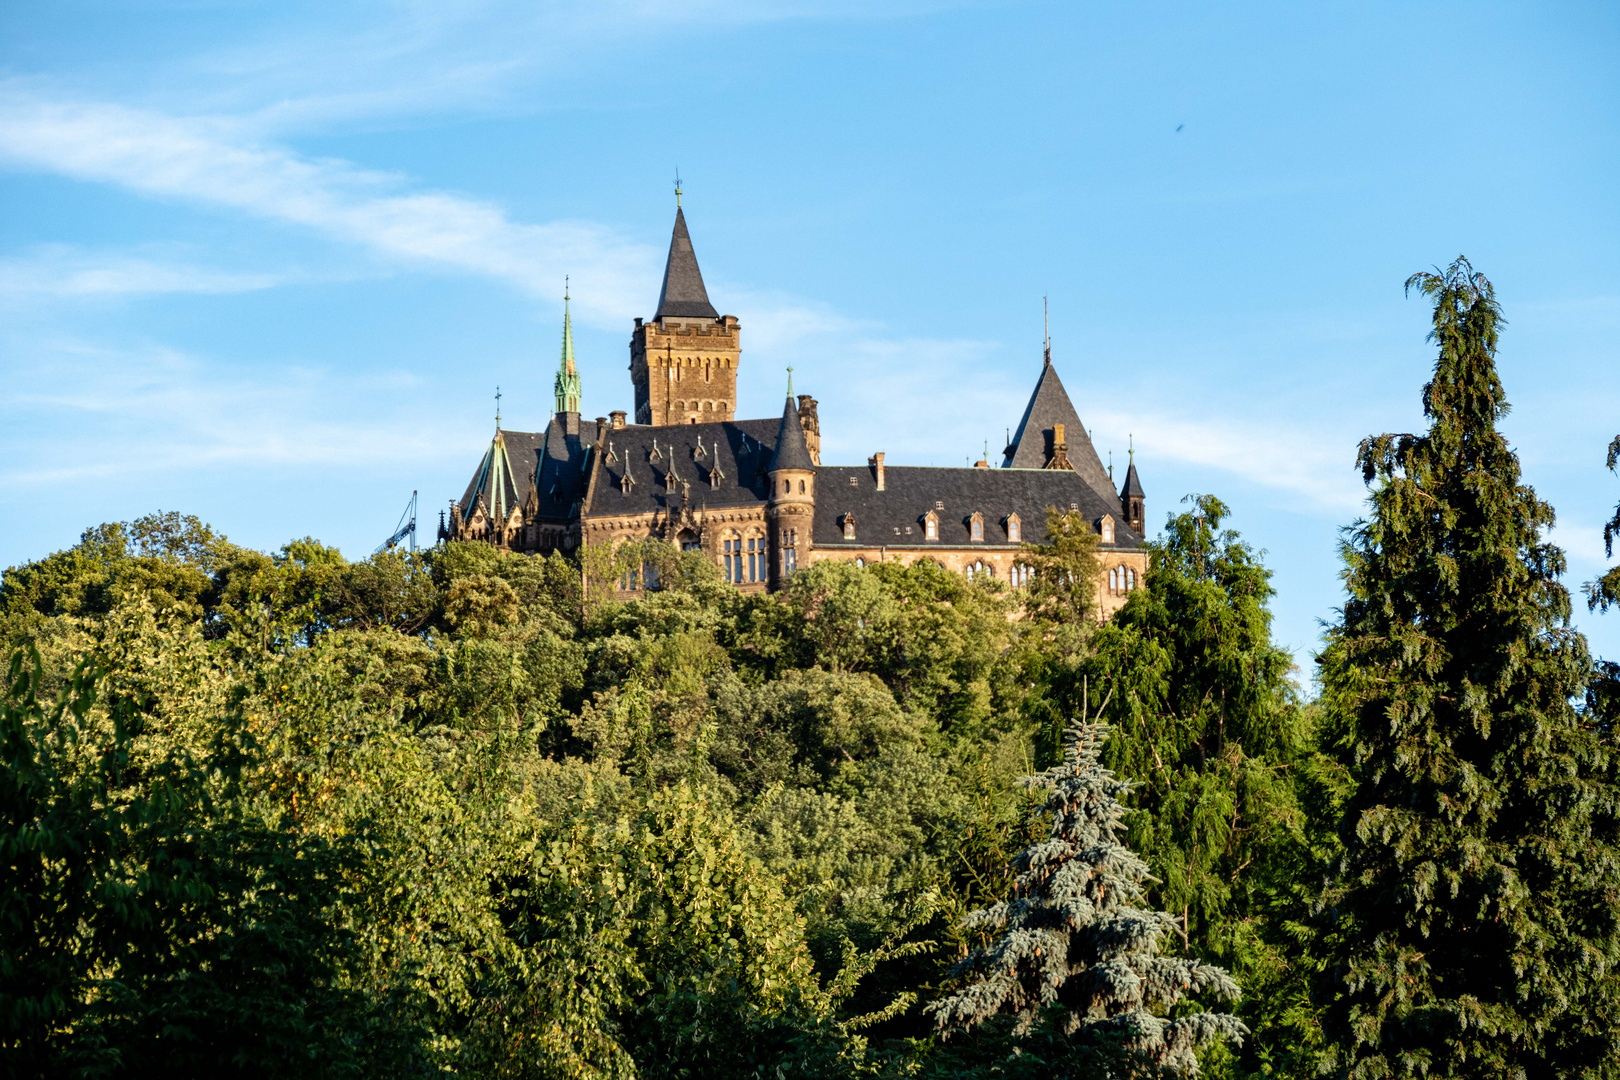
567 385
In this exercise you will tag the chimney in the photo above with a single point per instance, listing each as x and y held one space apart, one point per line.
877 464
618 418
601 429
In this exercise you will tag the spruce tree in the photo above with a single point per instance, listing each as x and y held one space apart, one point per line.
1471 922
1073 953
1606 589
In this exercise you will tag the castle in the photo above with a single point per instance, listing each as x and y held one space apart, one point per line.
754 495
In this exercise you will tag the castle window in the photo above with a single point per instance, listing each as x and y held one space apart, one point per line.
1113 581
690 543
976 527
787 486
1015 529
731 560
849 526
649 575
1131 580
756 558
801 487
931 526
790 550
1020 575
1107 529
854 482
860 563
979 569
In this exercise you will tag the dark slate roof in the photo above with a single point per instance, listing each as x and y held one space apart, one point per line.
562 467
742 449
515 459
1133 485
883 517
1031 444
791 450
683 295
505 473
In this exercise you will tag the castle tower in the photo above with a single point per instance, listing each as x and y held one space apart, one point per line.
790 512
567 384
684 362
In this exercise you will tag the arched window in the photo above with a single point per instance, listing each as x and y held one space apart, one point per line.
1015 529
801 487
787 486
976 527
1131 582
790 550
1107 530
860 563
931 526
1113 581
731 560
756 558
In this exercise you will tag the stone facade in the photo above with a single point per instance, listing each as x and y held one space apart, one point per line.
754 496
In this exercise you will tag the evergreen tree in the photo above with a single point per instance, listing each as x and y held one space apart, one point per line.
1073 952
1472 922
1606 589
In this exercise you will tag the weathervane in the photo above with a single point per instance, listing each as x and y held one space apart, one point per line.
1046 327
497 408
677 188
790 380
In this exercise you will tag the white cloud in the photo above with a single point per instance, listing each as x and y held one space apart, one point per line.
61 270
211 161
157 410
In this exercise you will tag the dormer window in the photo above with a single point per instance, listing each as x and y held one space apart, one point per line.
931 525
849 526
1015 529
654 455
625 483
976 527
1106 527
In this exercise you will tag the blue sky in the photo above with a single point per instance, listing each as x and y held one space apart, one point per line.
266 263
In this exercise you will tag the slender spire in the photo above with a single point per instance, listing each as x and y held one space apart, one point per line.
567 385
790 382
791 450
497 407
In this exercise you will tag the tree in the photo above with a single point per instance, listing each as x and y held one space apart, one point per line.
1073 951
1606 589
1472 917
1206 717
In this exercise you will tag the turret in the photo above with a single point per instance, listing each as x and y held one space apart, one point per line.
1131 499
791 509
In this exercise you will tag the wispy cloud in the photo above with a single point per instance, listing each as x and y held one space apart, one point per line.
183 413
66 271
211 161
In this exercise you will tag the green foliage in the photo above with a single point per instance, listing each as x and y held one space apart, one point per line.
1472 918
1073 951
1606 589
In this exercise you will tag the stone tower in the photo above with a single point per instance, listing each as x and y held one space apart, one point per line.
1131 499
790 512
684 362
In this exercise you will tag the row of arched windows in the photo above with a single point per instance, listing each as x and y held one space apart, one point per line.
699 406
1121 579
743 559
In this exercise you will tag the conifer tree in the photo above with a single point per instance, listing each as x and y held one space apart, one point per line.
1471 922
1072 950
1606 589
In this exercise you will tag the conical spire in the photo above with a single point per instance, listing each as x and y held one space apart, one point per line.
683 295
791 451
567 384
1133 485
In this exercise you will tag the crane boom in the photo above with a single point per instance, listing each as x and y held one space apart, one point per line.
406 528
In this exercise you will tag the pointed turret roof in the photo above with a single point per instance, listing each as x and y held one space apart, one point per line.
791 451
1031 444
1133 485
683 295
495 483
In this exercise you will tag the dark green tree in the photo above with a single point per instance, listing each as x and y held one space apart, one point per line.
1074 951
1606 589
1472 918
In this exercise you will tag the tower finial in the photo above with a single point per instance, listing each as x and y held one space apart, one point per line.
1130 447
790 380
497 407
677 188
565 292
1046 328
1110 466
